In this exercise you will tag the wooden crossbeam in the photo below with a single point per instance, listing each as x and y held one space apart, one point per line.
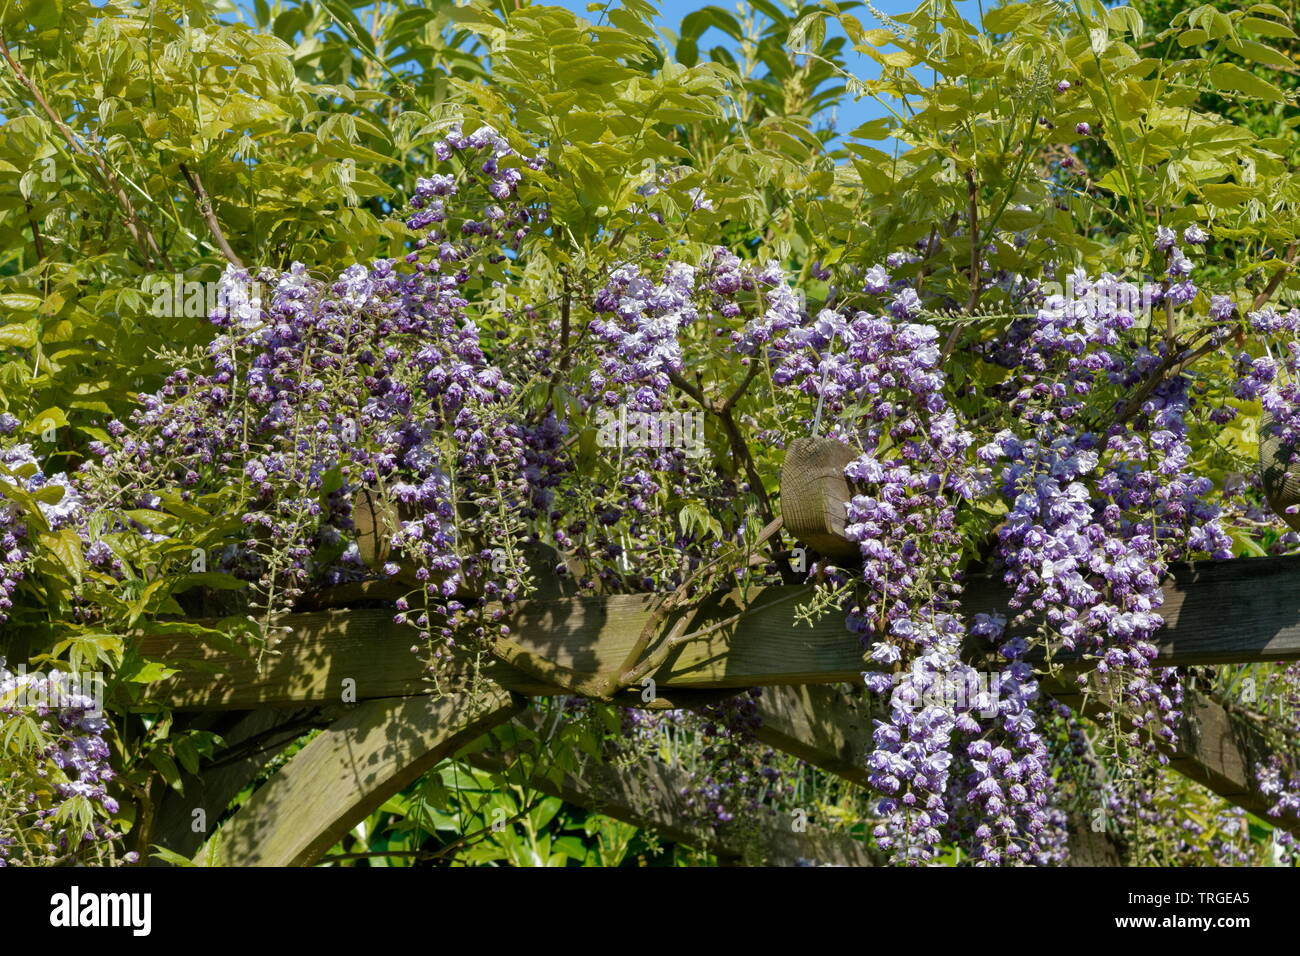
326 657
1220 612
1241 611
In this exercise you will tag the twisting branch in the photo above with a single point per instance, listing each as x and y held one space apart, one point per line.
143 237
565 307
930 248
37 239
754 367
739 448
973 224
626 673
1288 260
210 216
677 637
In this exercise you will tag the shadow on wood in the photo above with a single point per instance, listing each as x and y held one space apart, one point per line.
347 772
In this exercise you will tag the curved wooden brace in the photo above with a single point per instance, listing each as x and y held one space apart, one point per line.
826 727
1216 747
251 741
348 771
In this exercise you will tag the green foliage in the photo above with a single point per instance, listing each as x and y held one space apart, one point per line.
130 130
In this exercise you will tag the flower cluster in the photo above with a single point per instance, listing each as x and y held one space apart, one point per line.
375 379
734 776
641 334
1096 494
25 488
55 784
882 374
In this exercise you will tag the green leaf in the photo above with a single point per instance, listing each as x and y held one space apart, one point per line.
17 336
1229 77
50 418
1226 194
1258 52
181 508
65 545
1268 28
20 301
150 672
186 754
49 494
167 767
170 856
217 580
1244 546
1006 18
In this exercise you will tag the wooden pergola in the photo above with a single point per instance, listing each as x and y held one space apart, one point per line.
1237 611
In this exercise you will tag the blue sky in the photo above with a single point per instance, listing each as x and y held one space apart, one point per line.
850 114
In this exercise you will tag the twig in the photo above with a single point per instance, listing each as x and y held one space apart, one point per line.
209 216
929 255
37 239
607 687
739 448
656 659
973 217
754 367
1288 260
634 670
565 306
973 228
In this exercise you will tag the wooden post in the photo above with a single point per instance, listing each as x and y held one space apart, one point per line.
813 495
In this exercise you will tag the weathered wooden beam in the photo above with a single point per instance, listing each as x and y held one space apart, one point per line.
1216 612
1246 610
326 657
828 727
348 771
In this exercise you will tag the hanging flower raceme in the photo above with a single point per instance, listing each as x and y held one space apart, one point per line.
374 379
